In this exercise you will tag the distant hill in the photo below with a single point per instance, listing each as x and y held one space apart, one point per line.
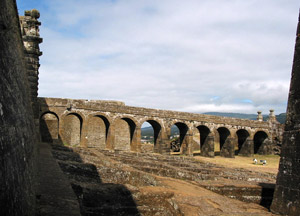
280 118
147 131
233 115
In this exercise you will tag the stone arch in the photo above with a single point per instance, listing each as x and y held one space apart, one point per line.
97 131
242 138
203 132
72 128
223 134
179 144
225 145
49 127
259 139
156 137
124 133
254 131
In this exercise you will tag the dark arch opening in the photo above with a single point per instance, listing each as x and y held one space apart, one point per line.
150 136
223 135
178 136
242 135
49 127
259 138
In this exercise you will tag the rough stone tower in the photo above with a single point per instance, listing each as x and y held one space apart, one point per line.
31 39
287 192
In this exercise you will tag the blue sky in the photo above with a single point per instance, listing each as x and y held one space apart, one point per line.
194 56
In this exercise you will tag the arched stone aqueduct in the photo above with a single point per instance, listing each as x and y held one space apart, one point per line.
112 125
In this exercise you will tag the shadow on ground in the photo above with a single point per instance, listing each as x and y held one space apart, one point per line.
94 196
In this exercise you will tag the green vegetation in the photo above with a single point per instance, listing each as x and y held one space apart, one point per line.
280 118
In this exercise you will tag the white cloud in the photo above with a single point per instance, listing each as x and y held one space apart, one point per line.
174 55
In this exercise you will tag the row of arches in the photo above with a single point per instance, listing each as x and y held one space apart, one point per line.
124 133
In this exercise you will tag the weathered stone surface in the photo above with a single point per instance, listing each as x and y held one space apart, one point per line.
207 149
124 183
287 193
31 39
115 126
247 148
17 133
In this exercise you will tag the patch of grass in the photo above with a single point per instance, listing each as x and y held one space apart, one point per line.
246 162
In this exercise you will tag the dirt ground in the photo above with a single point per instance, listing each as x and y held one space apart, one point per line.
128 183
246 162
194 200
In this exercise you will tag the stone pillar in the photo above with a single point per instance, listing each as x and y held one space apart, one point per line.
84 134
247 148
259 116
110 139
272 116
61 130
165 140
159 142
187 145
228 148
136 140
208 148
286 198
266 147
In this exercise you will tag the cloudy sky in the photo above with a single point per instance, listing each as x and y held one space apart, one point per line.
194 55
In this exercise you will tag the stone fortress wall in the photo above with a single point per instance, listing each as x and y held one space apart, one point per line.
81 122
